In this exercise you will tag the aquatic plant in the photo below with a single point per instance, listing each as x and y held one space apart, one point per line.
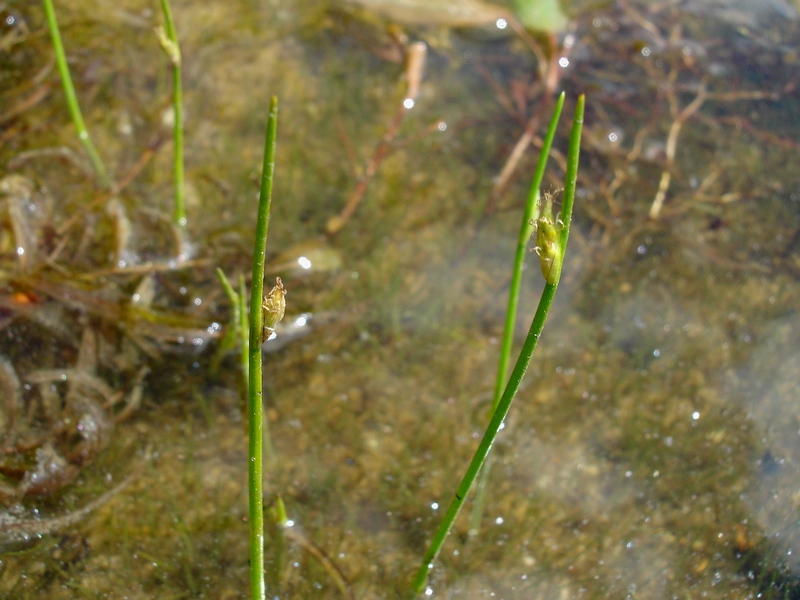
65 415
169 42
555 240
530 225
72 98
266 310
258 321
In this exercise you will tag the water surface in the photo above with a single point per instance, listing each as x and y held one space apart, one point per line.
653 451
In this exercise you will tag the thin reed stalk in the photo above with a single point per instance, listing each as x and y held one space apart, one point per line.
537 325
169 42
529 216
239 321
254 396
72 97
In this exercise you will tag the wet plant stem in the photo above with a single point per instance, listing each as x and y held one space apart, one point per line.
72 97
255 380
526 352
526 229
169 42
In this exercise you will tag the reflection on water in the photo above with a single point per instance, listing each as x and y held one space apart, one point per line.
653 449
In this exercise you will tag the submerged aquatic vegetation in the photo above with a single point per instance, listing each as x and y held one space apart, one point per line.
18 533
589 441
62 421
82 310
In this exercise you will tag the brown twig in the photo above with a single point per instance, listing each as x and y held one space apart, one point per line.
415 63
765 136
297 537
35 98
512 162
672 141
641 21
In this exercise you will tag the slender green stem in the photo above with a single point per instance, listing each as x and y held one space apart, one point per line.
254 396
72 97
534 333
239 321
523 241
278 546
489 436
169 41
233 298
571 176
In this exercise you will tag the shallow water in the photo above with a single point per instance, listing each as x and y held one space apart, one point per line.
653 450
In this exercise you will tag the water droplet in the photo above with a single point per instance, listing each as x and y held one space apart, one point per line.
304 262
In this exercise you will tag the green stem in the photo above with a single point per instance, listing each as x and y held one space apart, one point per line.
171 47
499 415
72 97
571 176
523 241
524 359
254 396
239 319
